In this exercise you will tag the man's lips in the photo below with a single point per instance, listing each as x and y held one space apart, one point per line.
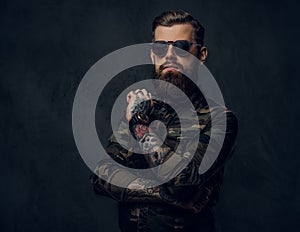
170 67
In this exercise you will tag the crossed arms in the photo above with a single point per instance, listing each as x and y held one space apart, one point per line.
187 190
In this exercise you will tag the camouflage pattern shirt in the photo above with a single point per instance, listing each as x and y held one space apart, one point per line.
184 203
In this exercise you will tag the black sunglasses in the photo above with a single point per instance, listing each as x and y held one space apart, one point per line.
160 47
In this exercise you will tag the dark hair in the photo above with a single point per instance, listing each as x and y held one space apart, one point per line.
172 17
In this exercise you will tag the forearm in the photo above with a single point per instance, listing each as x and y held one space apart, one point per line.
137 192
107 172
152 195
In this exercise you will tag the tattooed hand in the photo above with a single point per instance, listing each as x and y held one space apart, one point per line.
134 100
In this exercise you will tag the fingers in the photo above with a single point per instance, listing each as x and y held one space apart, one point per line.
140 93
133 98
143 93
130 96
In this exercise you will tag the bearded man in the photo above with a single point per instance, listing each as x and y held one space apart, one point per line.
186 202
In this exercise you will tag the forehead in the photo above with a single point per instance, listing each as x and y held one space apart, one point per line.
176 32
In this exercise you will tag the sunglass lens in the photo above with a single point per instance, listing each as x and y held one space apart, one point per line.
159 48
184 47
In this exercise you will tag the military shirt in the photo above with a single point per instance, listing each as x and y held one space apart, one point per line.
184 203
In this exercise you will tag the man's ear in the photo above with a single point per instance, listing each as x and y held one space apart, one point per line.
203 54
152 56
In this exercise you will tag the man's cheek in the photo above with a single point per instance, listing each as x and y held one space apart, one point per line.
157 68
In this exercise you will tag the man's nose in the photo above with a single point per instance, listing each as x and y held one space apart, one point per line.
170 53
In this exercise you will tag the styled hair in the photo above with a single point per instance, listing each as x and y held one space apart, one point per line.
172 17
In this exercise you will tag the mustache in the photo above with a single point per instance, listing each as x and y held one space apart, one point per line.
168 63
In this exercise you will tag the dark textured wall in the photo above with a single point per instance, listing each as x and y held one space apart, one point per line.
47 46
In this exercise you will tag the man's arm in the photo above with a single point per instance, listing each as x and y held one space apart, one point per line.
175 192
189 182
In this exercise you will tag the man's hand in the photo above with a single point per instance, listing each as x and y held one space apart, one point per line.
134 98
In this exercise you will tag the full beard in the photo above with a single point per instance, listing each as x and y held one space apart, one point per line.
166 89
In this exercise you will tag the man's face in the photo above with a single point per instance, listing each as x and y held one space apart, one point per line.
171 62
170 66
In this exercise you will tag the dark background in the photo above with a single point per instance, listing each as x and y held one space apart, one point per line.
46 48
